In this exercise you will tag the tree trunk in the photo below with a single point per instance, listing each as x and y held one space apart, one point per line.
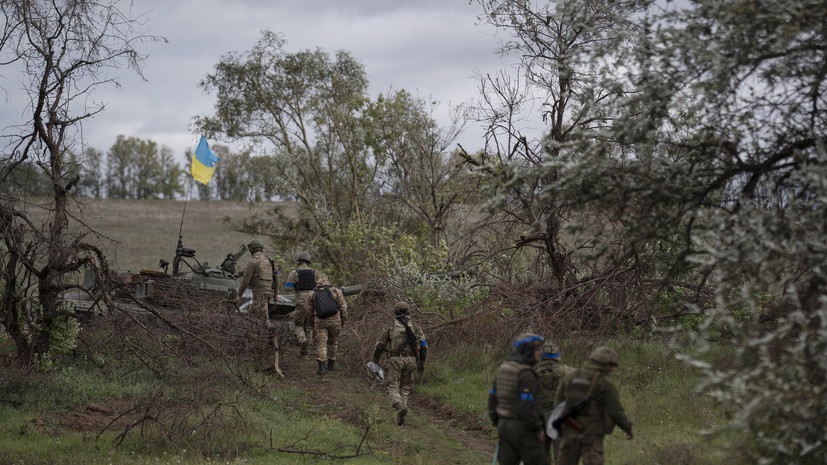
12 306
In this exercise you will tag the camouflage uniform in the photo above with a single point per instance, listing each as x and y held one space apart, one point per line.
550 372
403 361
327 330
595 419
301 316
513 409
258 277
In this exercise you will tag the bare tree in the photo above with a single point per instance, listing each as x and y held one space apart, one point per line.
553 88
65 50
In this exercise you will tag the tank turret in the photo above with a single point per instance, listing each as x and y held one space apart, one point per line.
186 269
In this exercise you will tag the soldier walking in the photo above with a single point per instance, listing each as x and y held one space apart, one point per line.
513 405
549 373
302 280
583 433
258 277
404 340
329 308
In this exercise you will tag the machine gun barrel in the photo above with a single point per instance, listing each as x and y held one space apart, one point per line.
229 263
352 290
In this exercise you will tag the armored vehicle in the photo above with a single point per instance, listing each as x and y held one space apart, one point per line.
190 279
188 273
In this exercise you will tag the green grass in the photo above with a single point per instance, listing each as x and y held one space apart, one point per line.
275 415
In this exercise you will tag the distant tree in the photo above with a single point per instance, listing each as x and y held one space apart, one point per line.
138 169
24 178
66 49
231 174
120 169
148 168
91 176
170 180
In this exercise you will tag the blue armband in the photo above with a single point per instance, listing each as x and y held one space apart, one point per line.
527 396
289 285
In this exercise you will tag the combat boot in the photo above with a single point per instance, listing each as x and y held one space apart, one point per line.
400 414
330 364
320 372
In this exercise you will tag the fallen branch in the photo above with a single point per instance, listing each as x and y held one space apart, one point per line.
327 454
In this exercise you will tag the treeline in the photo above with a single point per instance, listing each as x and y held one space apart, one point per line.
134 168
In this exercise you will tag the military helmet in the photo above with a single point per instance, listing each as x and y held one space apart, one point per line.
402 308
527 342
604 354
303 256
255 244
550 350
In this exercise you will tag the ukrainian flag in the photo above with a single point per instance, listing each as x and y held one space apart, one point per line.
202 162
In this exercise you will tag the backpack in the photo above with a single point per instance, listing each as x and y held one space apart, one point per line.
326 305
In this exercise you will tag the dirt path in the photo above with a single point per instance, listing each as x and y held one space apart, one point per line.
347 393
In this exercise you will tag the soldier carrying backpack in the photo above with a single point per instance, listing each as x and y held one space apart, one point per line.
330 312
302 281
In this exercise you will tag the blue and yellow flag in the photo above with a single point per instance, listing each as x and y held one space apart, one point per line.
202 162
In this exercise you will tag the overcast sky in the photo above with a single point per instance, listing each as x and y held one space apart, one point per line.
432 48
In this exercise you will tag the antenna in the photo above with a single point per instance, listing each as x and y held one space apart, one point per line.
186 198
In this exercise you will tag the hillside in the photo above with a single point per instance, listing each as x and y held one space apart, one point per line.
143 231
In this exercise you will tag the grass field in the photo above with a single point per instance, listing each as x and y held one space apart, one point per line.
141 233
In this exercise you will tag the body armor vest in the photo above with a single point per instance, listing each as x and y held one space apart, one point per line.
307 280
507 395
265 268
549 374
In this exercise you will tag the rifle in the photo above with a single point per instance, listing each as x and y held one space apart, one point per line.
411 341
275 281
570 413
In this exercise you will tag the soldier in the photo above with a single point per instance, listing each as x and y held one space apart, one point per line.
550 372
405 342
302 280
513 405
329 308
583 433
258 276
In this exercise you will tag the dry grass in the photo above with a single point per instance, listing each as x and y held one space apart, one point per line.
143 231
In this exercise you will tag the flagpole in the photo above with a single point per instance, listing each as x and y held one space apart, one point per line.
186 198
